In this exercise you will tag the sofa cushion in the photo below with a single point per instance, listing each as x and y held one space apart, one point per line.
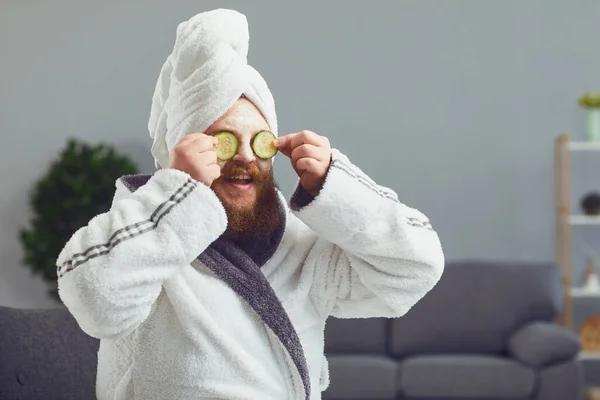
45 355
465 377
476 306
361 377
539 344
356 335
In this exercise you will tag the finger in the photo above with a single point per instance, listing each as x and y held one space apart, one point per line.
208 158
202 144
214 170
183 142
283 141
283 144
187 141
190 137
306 137
307 150
306 164
286 151
203 136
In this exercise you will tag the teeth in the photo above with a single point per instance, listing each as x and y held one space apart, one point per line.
241 177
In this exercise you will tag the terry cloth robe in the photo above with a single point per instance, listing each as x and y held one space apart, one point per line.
183 314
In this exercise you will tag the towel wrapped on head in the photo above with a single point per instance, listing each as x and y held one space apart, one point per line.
202 78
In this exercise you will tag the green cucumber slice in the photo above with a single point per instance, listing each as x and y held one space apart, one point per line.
228 145
262 144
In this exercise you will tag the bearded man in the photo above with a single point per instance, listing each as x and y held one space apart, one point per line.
202 281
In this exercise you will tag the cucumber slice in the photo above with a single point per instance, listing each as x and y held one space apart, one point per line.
228 145
262 144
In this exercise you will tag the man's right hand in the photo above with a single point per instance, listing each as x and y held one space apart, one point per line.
195 155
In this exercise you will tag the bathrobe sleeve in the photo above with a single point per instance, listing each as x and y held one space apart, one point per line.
110 272
375 256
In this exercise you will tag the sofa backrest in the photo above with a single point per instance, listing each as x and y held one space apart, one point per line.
476 306
356 336
45 355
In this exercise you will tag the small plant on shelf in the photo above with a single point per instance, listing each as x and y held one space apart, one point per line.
591 102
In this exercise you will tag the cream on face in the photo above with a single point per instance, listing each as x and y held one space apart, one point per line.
243 120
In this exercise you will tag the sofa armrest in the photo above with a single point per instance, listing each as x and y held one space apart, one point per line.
543 343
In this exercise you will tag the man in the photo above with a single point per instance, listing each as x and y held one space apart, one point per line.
201 281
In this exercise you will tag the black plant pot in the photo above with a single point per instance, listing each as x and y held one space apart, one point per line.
590 203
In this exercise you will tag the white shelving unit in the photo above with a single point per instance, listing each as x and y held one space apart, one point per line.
589 355
584 220
565 221
583 146
583 293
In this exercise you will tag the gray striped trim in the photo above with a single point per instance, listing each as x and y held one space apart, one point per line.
367 182
130 231
366 177
419 224
381 191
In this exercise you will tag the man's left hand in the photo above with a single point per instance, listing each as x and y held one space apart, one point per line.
310 155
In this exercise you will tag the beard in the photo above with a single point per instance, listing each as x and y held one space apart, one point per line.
255 218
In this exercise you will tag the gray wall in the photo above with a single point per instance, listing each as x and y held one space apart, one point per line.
454 104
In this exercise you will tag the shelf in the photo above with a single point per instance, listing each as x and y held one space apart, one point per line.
581 292
584 220
568 218
584 146
589 355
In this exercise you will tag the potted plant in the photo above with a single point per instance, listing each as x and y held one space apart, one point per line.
79 185
591 102
590 204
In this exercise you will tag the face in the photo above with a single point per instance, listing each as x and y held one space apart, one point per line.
246 186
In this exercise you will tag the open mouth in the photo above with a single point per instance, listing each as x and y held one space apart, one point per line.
240 182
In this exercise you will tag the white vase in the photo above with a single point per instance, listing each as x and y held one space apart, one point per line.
594 125
592 284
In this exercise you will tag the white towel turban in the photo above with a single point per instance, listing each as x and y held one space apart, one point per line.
206 73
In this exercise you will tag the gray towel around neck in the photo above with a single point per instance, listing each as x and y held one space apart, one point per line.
239 265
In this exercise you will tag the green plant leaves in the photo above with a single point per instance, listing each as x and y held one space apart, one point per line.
589 100
78 185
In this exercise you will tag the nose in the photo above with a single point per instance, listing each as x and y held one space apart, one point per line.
244 154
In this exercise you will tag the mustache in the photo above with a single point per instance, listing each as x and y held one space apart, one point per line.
231 169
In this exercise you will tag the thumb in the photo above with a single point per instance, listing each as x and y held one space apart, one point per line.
281 141
284 144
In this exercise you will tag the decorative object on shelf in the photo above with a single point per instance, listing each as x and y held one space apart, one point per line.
591 283
591 102
590 203
566 222
79 185
593 393
589 334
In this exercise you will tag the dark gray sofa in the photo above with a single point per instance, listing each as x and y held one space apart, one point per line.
44 355
485 332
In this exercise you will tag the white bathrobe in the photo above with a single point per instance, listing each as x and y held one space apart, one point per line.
173 328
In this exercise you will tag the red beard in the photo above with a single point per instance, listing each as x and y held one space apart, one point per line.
259 218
